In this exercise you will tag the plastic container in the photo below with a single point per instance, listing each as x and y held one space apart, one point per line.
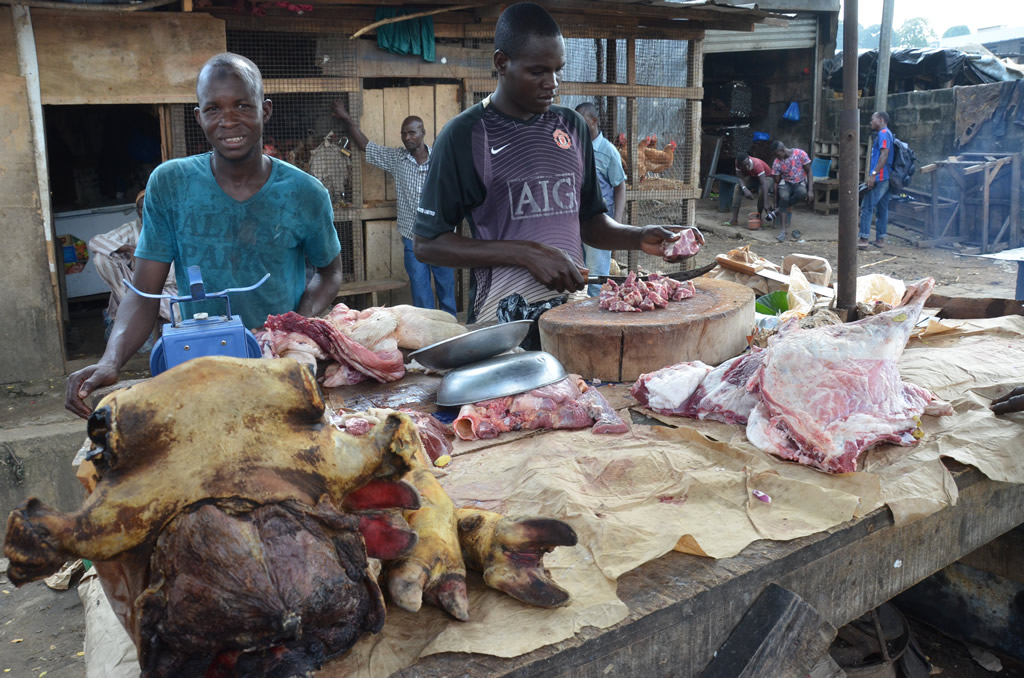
753 221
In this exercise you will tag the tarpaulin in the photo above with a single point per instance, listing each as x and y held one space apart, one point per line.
941 67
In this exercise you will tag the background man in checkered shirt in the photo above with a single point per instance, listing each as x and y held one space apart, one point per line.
409 167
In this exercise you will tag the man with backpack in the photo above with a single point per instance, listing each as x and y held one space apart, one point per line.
876 198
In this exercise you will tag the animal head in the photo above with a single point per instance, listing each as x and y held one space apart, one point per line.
621 138
671 144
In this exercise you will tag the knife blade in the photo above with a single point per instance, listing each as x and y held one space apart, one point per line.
677 275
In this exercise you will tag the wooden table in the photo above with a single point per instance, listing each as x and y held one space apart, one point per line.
682 607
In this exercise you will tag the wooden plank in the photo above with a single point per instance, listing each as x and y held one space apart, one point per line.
372 123
123 57
378 250
304 85
458 62
421 103
780 635
396 108
446 104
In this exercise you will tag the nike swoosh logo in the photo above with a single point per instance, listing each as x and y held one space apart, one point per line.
496 151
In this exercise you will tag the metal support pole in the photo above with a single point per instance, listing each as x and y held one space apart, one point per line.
884 44
849 177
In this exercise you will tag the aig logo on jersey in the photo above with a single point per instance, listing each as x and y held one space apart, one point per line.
542 196
562 140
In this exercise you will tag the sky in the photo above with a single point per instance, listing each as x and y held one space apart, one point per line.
942 14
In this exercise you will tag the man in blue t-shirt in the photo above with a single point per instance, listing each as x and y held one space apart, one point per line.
876 199
612 180
234 212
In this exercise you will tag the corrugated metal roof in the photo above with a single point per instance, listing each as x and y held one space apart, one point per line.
801 32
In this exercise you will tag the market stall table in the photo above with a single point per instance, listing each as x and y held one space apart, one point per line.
683 607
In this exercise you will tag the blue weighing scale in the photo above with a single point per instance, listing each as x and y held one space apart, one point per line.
203 334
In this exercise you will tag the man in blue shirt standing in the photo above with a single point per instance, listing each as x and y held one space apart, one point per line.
236 213
876 199
612 180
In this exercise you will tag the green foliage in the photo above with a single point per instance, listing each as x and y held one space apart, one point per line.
954 31
914 32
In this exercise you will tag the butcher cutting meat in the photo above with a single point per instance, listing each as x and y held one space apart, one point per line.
521 170
818 396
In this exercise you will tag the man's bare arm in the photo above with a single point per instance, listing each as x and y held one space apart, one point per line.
321 289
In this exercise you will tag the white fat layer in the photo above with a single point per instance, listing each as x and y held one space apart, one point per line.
669 388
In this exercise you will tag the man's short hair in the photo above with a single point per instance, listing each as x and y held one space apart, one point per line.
741 158
587 109
884 116
777 146
520 22
412 118
235 63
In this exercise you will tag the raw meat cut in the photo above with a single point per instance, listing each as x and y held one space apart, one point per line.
829 393
688 244
566 404
357 361
643 295
817 396
693 389
232 524
360 344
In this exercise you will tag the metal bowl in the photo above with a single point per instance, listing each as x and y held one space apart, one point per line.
472 346
501 376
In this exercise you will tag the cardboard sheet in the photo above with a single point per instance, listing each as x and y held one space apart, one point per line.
691 487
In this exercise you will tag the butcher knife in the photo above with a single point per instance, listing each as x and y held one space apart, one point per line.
677 275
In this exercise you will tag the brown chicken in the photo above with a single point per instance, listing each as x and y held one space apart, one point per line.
235 520
623 148
657 161
641 157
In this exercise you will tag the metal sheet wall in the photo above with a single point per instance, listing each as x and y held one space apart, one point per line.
802 32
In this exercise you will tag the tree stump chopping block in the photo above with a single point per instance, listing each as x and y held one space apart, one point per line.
711 326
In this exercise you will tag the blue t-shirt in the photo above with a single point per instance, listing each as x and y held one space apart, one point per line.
610 174
190 220
882 140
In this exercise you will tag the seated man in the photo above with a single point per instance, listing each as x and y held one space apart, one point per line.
113 254
792 170
755 176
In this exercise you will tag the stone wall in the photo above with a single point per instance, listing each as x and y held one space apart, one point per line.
30 346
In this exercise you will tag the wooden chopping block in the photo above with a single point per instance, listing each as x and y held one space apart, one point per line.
711 326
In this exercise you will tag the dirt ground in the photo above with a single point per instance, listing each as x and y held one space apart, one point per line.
42 631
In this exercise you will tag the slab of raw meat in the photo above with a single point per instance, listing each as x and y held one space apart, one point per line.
829 393
693 389
635 294
561 405
687 245
356 361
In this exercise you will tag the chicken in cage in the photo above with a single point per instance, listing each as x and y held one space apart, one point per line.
331 163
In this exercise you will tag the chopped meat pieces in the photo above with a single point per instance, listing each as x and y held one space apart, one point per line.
562 405
643 295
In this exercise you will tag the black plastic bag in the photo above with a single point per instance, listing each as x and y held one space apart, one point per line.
514 307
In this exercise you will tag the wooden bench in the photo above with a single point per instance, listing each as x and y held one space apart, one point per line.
726 186
370 287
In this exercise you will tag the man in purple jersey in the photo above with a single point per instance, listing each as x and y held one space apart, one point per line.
521 171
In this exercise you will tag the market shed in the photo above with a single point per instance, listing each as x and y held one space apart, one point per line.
68 73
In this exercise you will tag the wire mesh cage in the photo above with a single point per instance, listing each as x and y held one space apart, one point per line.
305 67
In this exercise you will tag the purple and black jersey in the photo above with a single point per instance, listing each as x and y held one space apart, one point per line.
512 180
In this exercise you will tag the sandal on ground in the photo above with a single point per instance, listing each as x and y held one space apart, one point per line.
878 243
862 243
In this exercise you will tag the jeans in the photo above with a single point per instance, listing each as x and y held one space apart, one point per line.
875 200
599 262
419 281
790 193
